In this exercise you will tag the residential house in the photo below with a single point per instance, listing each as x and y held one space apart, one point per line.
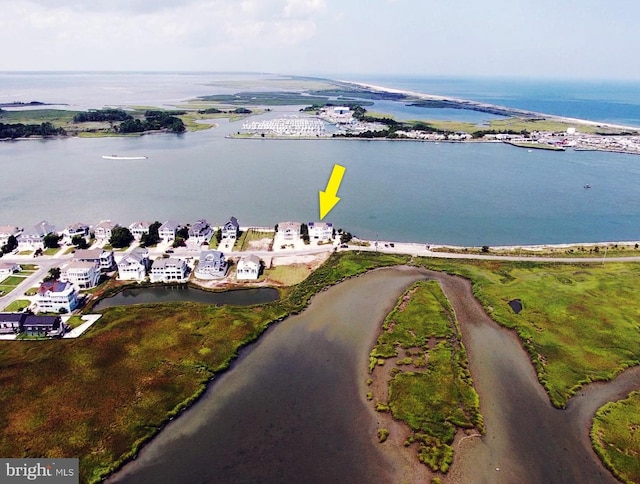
8 268
320 231
103 230
168 270
71 231
230 229
289 231
14 323
56 296
248 268
7 231
167 231
82 274
42 325
134 266
200 233
138 229
32 238
211 265
11 323
103 257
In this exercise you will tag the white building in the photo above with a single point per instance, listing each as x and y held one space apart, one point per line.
138 229
133 266
103 230
289 231
211 265
71 231
103 257
168 270
8 268
248 268
33 237
320 231
167 231
230 229
56 296
83 275
200 233
7 231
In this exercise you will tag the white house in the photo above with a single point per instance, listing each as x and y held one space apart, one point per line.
7 231
230 229
103 257
11 323
8 268
320 231
200 233
71 231
138 229
133 266
211 265
167 231
103 230
83 275
168 270
289 231
33 237
56 296
248 268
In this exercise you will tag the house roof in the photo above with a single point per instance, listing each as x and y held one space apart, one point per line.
288 226
106 224
142 225
78 264
8 230
11 317
8 265
320 225
53 286
200 226
39 230
77 226
87 254
250 259
233 222
45 321
170 262
170 225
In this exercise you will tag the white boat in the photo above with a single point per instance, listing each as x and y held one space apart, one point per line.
119 157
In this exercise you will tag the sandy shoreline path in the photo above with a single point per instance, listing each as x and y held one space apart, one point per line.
468 104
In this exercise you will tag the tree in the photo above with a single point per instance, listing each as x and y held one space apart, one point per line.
52 241
53 275
120 237
153 237
218 235
183 233
345 237
304 233
12 244
80 242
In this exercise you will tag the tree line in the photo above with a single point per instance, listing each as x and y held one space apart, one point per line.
154 120
19 130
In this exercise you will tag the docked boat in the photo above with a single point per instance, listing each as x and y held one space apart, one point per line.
120 157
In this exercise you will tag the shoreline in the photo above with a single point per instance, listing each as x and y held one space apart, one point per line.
467 102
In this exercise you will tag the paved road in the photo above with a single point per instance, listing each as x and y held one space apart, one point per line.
46 262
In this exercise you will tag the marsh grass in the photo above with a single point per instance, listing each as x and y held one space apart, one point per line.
100 397
615 435
434 396
579 323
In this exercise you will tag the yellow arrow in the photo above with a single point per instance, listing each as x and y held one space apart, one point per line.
329 198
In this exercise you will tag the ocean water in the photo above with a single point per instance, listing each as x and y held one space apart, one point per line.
616 102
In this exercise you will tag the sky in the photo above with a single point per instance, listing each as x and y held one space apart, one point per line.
574 39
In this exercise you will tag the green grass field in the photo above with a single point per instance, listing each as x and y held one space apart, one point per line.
616 437
17 305
9 284
432 392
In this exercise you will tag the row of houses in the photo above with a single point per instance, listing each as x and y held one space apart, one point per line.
32 238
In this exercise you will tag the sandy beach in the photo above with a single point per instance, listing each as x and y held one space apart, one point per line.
467 102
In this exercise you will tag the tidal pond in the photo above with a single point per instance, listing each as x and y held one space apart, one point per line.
161 294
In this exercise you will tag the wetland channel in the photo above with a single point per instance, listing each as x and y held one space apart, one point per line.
292 407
